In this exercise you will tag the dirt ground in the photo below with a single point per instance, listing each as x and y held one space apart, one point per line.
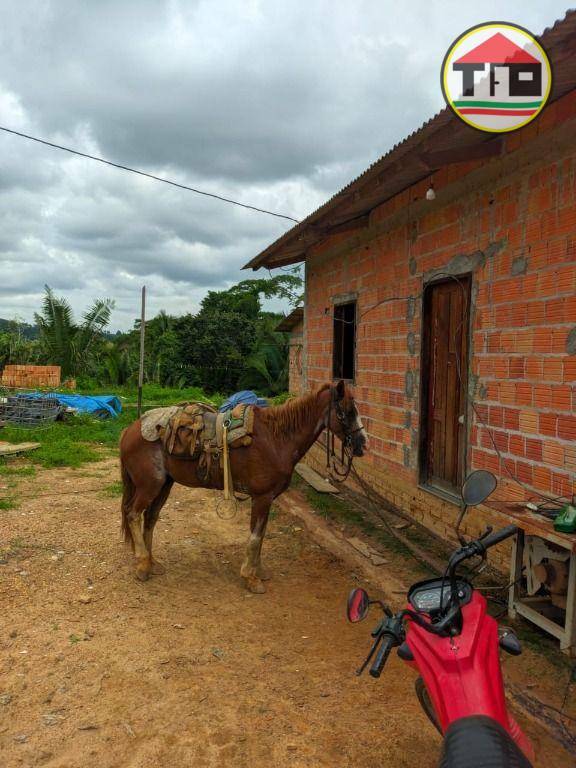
188 669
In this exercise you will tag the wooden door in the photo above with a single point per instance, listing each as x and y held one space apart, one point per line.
445 374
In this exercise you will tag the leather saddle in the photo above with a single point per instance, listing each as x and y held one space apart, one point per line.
190 429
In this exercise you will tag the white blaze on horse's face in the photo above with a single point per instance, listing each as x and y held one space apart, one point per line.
359 436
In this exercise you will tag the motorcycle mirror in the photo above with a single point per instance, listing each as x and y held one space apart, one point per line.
477 487
357 606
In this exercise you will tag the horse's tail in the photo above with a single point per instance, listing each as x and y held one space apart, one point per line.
126 506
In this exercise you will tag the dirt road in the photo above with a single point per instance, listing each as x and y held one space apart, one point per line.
187 669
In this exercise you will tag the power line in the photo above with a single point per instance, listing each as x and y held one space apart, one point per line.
148 175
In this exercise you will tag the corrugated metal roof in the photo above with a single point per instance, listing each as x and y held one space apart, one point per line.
441 140
291 320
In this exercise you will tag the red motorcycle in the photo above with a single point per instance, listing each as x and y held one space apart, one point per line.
448 637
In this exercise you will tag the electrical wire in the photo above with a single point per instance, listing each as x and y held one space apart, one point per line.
148 175
332 316
372 308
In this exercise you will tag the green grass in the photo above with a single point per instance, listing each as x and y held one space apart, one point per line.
328 505
73 442
112 490
8 502
346 513
11 469
154 394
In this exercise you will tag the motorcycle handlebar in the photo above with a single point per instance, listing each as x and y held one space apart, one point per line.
393 632
387 644
496 538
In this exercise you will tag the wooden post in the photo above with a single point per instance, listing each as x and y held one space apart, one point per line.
142 336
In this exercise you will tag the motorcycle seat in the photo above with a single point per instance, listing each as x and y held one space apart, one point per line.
480 742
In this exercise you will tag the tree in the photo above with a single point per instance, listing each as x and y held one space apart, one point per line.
16 349
230 343
162 363
213 348
117 366
66 343
266 368
244 297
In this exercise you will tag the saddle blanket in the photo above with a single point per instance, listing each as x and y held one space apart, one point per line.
188 429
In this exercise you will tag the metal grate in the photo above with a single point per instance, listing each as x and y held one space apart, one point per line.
28 408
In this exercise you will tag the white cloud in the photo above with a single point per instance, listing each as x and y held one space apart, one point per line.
275 104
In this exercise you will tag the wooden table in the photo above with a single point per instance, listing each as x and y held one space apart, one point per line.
532 524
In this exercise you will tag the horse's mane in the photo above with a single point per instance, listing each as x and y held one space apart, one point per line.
291 416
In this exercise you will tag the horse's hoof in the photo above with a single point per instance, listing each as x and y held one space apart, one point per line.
143 568
255 585
142 575
157 569
263 575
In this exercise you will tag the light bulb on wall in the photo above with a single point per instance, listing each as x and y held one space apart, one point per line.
430 194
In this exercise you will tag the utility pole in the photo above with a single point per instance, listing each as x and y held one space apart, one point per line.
142 336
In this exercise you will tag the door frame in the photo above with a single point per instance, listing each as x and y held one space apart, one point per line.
423 482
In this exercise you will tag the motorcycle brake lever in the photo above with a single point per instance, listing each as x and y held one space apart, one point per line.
378 629
369 657
384 607
486 533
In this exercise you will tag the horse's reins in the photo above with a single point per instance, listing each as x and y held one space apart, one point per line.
226 460
347 455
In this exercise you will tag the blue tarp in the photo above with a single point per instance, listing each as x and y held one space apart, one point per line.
246 397
102 406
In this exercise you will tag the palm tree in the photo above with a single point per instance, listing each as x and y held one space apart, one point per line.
65 343
266 368
117 365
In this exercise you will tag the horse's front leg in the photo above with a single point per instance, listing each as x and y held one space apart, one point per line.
251 568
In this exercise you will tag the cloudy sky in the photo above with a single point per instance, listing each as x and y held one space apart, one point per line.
276 103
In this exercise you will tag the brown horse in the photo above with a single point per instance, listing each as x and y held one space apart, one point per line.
263 470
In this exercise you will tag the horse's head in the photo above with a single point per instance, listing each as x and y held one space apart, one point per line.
345 420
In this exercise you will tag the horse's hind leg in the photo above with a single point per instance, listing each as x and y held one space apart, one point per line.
151 515
144 478
251 567
141 502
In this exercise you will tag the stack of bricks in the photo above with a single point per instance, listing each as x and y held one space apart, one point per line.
510 222
31 376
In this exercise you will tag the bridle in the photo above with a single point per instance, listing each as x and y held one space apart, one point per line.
347 456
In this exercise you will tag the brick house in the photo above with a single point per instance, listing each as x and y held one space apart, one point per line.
294 325
454 317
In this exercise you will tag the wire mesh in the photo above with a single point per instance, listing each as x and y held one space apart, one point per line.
28 408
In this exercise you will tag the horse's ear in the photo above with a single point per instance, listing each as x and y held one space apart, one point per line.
340 390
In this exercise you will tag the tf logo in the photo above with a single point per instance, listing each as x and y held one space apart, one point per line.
496 77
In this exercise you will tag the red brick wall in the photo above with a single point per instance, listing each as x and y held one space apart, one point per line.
296 361
511 222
